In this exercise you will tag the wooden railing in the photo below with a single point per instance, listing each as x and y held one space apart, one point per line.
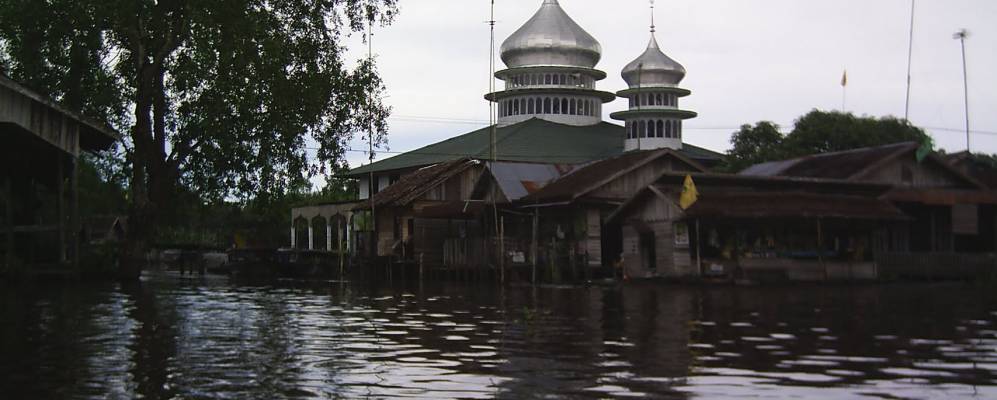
936 266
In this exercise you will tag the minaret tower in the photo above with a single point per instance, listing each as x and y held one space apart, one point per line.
551 72
653 120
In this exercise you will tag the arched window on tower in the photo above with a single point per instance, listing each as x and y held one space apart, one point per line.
556 79
661 129
658 100
571 107
643 129
633 130
547 105
626 126
557 106
522 106
529 106
651 131
585 107
546 79
678 129
564 106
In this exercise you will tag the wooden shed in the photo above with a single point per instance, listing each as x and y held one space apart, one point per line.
40 142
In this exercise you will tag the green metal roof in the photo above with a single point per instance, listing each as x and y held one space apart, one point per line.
534 140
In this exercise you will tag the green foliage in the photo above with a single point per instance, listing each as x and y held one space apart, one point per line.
102 188
753 145
218 99
817 132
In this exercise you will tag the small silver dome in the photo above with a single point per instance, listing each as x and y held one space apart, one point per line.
653 68
551 37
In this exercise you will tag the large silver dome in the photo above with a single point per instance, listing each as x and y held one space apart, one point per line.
551 37
653 68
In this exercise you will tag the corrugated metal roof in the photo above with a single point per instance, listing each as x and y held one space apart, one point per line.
516 180
415 184
792 205
531 141
591 175
836 165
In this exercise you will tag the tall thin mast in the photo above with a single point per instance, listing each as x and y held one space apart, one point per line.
961 37
910 54
370 132
492 150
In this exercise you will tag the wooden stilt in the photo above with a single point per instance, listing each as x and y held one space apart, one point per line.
820 248
501 254
8 195
533 244
60 191
699 258
74 204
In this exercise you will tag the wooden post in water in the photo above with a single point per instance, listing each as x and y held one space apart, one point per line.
501 254
820 249
74 214
533 244
61 192
553 260
8 195
699 258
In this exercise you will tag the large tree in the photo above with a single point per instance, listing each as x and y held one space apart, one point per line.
223 98
814 133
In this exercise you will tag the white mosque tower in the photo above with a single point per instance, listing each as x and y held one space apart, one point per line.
654 119
551 72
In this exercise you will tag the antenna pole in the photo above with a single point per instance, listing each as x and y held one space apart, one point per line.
910 54
493 142
492 118
370 137
961 36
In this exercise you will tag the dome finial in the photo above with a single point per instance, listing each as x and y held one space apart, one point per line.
652 16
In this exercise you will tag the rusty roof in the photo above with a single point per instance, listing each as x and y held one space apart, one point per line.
413 185
837 165
792 205
596 174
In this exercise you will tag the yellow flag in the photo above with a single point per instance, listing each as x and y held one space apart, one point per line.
689 193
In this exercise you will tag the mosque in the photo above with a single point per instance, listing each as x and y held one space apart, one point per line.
552 191
550 95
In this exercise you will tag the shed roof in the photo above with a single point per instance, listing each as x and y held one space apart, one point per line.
598 173
94 135
534 140
836 165
415 184
517 180
792 205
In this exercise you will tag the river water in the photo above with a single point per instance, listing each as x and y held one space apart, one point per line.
171 337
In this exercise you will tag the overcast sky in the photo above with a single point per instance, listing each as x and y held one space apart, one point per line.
747 61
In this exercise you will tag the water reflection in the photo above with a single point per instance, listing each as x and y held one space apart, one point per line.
173 338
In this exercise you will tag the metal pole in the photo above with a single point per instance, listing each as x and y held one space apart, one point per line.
961 35
910 54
